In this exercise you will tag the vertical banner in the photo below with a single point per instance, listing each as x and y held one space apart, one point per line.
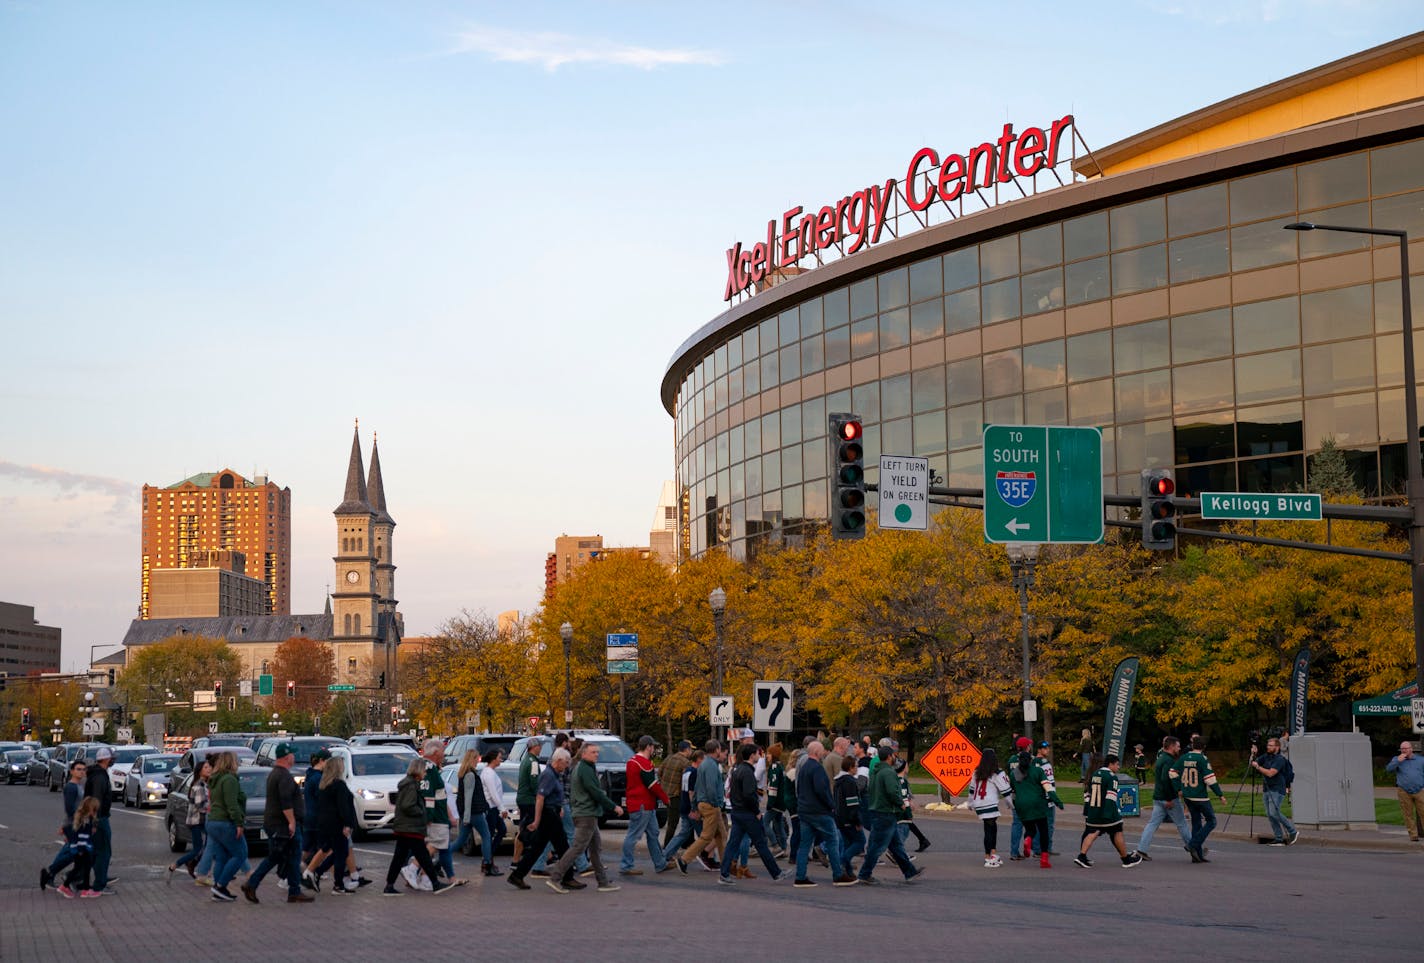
1124 684
1300 679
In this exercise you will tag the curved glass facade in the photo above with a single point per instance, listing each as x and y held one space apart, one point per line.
1188 324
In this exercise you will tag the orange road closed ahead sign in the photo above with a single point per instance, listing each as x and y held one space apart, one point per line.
952 761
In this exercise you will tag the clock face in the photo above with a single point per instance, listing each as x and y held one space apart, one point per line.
353 576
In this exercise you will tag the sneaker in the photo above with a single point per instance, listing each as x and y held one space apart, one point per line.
778 877
915 875
367 882
311 881
1277 842
726 880
1015 857
344 891
1145 857
708 861
845 879
64 891
630 872
923 846
300 897
1082 860
392 891
539 873
803 883
990 862
221 894
555 885
681 866
608 887
996 861
250 893
90 894
585 873
1290 840
867 881
665 867
575 884
1131 860
204 881
444 888
516 882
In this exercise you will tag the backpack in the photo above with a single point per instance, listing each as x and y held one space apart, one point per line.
470 807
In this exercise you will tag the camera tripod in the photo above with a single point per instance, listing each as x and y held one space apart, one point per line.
1251 828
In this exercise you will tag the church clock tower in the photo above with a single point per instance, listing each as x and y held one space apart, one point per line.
355 625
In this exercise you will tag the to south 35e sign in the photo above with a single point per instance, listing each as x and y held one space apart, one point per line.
859 217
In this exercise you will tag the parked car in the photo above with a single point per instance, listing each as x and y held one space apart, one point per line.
59 764
148 778
254 783
384 739
16 764
191 757
508 809
37 772
124 757
481 742
304 746
372 773
248 740
613 756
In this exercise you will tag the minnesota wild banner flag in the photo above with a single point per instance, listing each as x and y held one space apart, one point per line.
1124 684
1300 679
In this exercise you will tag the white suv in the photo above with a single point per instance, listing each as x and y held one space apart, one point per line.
372 773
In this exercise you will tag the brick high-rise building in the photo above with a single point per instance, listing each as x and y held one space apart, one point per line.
186 523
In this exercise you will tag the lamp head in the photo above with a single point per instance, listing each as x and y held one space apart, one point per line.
1300 226
717 599
566 632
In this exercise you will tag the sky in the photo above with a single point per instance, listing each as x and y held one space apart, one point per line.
229 229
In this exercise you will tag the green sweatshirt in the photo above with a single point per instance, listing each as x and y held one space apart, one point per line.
1100 800
229 802
528 789
1192 777
589 799
1162 788
885 791
1031 792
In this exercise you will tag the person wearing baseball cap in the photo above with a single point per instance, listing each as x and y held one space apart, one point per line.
644 791
284 811
98 785
1022 744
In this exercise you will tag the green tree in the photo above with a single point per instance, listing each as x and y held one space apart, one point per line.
178 665
1330 473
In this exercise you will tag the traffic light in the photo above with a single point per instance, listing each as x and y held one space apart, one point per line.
382 683
24 718
1159 511
4 676
847 476
217 689
111 678
395 713
291 689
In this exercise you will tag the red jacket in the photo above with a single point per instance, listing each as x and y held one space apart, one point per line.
643 787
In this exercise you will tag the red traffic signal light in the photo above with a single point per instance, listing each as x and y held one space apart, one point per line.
1161 484
1159 511
291 689
850 430
847 476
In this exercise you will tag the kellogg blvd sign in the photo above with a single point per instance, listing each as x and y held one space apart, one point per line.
859 217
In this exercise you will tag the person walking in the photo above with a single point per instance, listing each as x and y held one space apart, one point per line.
540 870
494 803
1139 763
98 785
1032 795
1045 762
227 812
336 824
831 761
590 803
775 820
670 778
1101 816
707 796
81 839
644 792
525 793
473 804
409 824
282 813
311 785
1166 800
1408 772
437 806
746 817
988 786
196 819
815 810
907 825
1277 775
1016 827
845 790
1085 756
887 804
788 799
546 824
1192 776
73 796
689 823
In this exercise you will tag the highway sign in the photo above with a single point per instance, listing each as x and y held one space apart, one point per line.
205 700
952 761
904 492
1043 484
92 726
341 688
1241 506
1416 709
720 710
264 684
772 704
623 667
244 688
123 734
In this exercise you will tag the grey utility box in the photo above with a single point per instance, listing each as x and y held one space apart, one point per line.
1334 781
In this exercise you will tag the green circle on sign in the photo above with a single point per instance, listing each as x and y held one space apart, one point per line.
902 513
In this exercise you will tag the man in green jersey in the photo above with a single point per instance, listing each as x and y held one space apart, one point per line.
1193 778
1101 816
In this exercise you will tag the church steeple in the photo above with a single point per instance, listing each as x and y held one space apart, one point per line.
356 499
376 489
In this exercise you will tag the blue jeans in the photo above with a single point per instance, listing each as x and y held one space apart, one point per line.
818 828
1016 836
287 854
642 824
1203 821
1280 825
581 863
883 840
746 827
775 823
1160 811
195 852
687 831
103 852
477 824
229 851
852 845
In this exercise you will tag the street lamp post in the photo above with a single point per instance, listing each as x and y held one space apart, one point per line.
566 632
1415 478
88 712
718 600
1023 559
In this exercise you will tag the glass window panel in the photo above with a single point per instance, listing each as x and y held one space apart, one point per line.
1268 377
865 401
966 425
768 335
894 289
865 338
930 433
723 450
735 441
894 329
1091 403
1043 365
927 389
791 465
1202 256
1389 359
1136 224
837 346
790 363
927 319
1085 281
813 419
1046 407
734 354
965 380
719 394
1144 445
1342 366
790 325
966 468
895 397
771 472
1263 195
1391 417
1259 245
752 429
1348 419
1192 212
961 310
1146 395
1332 181
1206 478
1003 411
999 258
1001 300
738 482
1267 324
1342 313
750 344
751 378
1206 438
1041 247
1404 212
1090 356
1139 270
813 354
1043 291
896 437
862 298
961 268
811 317
1388 314
1085 236
1399 167
1319 243
1141 346
770 432
1196 337
815 496
1003 372
1272 474
1202 387
792 506
926 279
838 401
769 370
719 361
836 308
790 425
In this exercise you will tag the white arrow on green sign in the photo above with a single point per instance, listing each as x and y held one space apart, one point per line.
1043 483
1243 506
341 688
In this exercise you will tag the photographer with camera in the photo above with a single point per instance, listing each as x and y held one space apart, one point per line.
1277 776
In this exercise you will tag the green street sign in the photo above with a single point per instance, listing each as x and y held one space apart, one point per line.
341 688
264 685
622 666
1240 506
1043 484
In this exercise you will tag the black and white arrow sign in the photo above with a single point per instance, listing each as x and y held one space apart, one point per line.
772 704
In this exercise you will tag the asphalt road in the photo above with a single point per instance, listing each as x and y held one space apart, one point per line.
1250 901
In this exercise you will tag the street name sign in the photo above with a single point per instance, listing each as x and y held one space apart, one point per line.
1240 506
904 493
623 667
341 688
264 684
1416 710
952 760
719 710
772 704
244 688
1043 483
622 653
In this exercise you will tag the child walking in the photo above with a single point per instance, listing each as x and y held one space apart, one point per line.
986 788
81 839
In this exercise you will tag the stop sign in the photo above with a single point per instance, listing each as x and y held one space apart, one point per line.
952 760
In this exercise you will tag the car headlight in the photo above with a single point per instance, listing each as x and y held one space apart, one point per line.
371 795
154 784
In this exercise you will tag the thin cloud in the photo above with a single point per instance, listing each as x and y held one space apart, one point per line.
124 494
554 50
